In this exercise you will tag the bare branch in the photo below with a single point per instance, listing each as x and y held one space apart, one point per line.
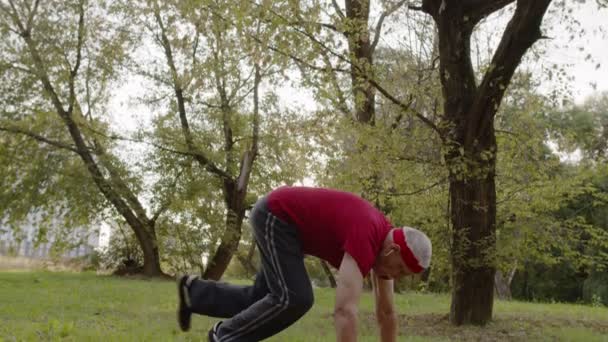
337 9
256 109
383 16
30 18
342 106
14 14
195 48
38 137
9 65
74 71
241 83
415 192
249 157
406 107
89 101
296 58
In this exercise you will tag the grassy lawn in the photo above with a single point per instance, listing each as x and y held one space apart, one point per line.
44 306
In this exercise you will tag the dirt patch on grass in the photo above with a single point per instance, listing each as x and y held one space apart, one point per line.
19 263
502 328
15 263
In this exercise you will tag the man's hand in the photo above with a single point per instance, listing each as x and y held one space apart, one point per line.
385 311
350 285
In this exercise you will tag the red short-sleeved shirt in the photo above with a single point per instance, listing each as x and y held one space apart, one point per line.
332 222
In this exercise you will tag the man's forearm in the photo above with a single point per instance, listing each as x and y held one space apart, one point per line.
388 328
346 326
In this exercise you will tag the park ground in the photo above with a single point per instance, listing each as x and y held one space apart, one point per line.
67 306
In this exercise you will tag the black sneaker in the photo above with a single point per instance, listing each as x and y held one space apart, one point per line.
213 332
183 309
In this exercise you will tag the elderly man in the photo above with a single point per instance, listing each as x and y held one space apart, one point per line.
290 222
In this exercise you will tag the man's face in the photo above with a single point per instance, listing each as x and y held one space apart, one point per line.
389 264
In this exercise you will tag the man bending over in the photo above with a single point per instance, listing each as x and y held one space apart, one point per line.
290 222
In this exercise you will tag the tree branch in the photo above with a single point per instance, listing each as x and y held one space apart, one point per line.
320 24
521 33
33 12
249 157
209 166
383 16
23 30
342 106
404 106
337 9
415 192
165 206
74 71
194 152
11 65
340 57
39 137
479 9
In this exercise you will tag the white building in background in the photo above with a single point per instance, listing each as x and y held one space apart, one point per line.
25 244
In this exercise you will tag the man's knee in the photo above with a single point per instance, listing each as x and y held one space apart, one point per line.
300 303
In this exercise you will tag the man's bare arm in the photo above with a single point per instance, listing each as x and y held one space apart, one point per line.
385 310
348 292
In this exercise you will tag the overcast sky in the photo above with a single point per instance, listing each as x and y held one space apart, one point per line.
573 53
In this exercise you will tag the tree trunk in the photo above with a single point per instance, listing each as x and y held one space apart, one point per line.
473 244
232 234
361 52
426 274
228 246
149 246
472 165
330 276
247 260
502 284
467 132
511 275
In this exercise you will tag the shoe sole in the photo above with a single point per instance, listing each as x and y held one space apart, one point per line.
182 308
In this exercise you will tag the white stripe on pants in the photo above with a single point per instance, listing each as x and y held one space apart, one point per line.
283 303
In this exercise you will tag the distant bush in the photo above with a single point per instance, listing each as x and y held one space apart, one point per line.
595 289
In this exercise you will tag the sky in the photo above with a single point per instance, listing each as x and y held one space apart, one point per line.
563 51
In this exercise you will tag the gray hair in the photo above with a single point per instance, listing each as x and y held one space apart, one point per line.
420 245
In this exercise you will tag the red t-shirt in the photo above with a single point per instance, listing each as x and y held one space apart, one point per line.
332 222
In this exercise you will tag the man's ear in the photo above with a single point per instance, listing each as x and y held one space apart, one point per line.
390 249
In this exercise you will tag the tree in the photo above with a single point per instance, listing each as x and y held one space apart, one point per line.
583 127
67 52
468 133
43 183
212 72
466 130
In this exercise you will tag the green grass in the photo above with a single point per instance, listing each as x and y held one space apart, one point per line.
44 306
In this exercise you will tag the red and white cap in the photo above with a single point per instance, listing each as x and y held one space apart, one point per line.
415 248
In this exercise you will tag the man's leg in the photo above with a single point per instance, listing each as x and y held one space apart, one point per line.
223 300
290 293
